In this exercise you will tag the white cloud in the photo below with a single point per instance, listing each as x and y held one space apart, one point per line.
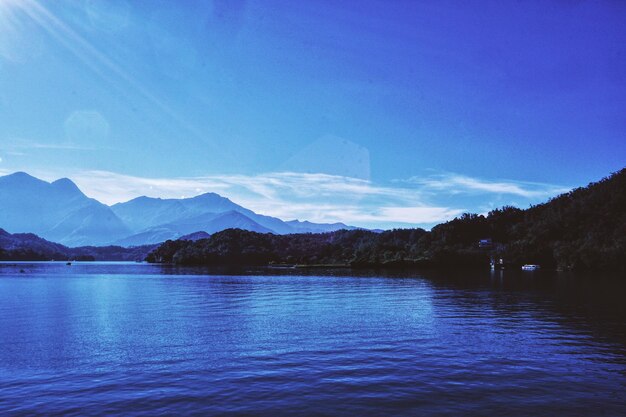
456 184
326 198
287 195
17 146
425 214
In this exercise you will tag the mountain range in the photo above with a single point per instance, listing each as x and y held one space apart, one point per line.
59 211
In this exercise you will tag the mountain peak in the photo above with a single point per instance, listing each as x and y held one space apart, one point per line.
57 211
142 199
67 186
210 196
20 178
19 174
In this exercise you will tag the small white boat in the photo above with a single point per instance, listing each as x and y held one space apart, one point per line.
530 267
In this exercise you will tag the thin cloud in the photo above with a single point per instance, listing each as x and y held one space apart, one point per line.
323 197
61 147
456 184
426 214
287 195
17 145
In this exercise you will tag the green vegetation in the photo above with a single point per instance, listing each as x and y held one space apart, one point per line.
582 229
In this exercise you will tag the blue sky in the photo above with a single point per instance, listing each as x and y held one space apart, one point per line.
378 114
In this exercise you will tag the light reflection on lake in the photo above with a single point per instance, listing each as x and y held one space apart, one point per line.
139 339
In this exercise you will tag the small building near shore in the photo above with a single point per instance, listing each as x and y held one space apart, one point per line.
485 243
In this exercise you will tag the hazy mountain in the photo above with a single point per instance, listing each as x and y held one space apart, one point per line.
207 222
155 219
211 223
148 237
143 213
307 227
56 211
60 212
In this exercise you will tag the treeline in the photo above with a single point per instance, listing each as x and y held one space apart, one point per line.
343 247
582 229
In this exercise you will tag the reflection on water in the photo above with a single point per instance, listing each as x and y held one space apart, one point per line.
137 339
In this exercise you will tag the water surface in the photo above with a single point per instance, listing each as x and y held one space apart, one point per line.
138 339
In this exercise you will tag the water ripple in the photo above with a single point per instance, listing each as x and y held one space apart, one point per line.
136 340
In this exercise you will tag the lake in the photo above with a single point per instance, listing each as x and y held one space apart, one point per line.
149 340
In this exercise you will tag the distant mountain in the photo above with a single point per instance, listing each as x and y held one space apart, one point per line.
60 212
143 213
57 211
147 237
156 220
211 223
308 227
208 223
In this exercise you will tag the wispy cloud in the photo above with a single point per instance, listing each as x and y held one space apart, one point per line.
456 184
288 195
17 146
327 198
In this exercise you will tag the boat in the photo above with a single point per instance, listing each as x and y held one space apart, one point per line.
530 267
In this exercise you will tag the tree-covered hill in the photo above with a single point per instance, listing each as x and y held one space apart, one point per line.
582 229
30 247
236 246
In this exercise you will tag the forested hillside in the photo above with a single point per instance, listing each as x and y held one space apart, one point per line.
582 229
30 247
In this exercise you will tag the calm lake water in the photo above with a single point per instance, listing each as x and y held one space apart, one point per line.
137 339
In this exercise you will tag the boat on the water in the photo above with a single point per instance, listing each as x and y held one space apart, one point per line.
530 267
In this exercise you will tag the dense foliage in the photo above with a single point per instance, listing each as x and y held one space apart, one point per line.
343 247
582 229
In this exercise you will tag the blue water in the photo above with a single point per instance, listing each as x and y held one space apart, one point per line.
138 339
